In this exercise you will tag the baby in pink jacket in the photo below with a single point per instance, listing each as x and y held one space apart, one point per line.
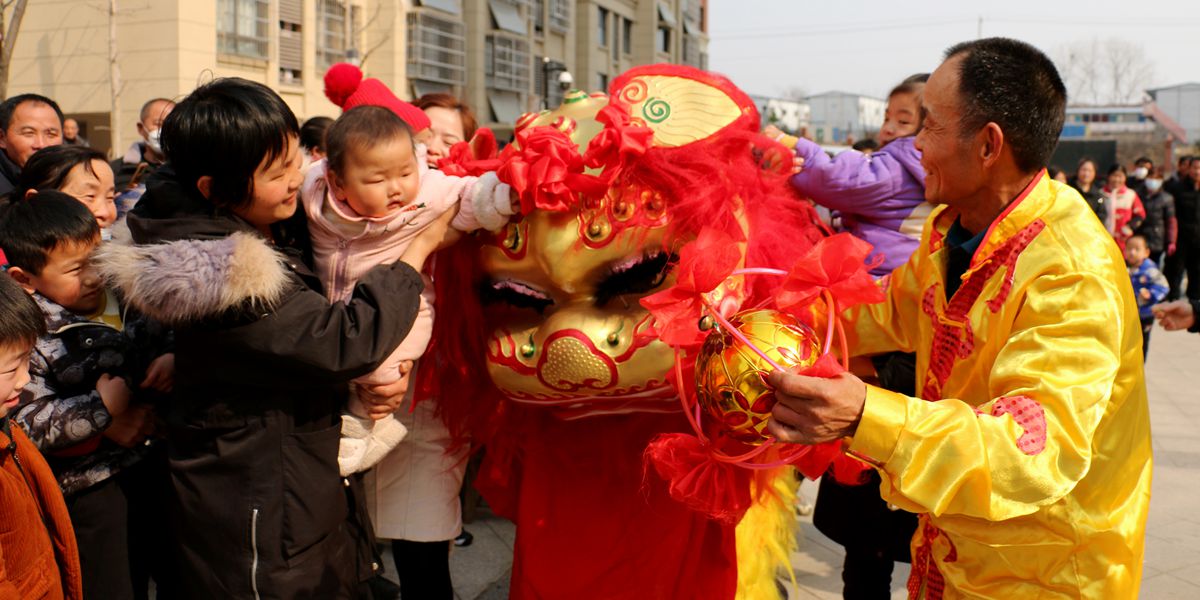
365 203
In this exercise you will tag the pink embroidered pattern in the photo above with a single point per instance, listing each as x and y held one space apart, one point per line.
1013 249
924 568
1027 413
935 240
952 341
953 338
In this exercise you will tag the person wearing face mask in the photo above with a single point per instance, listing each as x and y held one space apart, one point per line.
1142 168
1160 228
145 155
143 158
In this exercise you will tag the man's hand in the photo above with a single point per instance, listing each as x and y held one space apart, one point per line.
1175 315
161 374
811 410
383 400
131 427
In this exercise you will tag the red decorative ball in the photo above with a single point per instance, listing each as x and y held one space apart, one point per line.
341 81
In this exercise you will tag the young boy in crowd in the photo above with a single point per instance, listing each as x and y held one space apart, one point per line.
38 557
78 408
1149 284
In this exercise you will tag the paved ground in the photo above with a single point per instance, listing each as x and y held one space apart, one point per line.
1172 567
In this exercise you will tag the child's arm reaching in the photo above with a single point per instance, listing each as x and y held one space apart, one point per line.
851 182
487 204
57 422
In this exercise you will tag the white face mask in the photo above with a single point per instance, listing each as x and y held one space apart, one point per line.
154 140
1153 185
1141 172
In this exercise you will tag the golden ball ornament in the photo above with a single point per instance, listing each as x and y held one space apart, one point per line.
731 378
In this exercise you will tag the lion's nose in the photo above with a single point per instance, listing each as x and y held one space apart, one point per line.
573 362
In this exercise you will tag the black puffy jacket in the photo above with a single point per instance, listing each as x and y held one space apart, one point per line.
263 363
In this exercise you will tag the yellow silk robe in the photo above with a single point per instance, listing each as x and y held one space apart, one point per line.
1028 457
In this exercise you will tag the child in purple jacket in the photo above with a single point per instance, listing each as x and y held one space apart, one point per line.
880 197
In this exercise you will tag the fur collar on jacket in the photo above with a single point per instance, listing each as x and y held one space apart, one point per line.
189 280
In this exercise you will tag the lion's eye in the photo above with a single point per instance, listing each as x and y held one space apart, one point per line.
517 294
638 275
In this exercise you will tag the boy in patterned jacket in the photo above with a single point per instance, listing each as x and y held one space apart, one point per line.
79 407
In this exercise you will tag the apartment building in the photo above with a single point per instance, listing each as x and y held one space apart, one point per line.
838 116
496 54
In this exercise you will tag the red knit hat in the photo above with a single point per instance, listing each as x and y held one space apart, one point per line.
345 87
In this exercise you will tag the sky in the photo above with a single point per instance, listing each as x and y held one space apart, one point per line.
769 47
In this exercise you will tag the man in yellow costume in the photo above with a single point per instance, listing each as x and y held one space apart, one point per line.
1028 453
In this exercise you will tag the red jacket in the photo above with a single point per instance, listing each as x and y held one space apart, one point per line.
38 556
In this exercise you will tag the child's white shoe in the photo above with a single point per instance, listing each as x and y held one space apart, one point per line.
365 442
353 444
385 435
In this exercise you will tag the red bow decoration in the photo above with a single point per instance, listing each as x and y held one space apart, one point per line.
475 158
703 265
717 489
619 142
543 166
835 264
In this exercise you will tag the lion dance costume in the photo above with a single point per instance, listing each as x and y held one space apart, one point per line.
623 199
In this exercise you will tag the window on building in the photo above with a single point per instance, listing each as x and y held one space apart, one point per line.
507 63
627 35
437 50
560 15
242 28
291 42
453 7
506 16
666 22
332 33
602 82
602 25
691 43
538 8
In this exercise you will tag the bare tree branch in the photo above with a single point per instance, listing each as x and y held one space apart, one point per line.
366 25
114 78
1110 71
10 37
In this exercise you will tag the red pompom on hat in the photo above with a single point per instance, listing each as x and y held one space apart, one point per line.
345 87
